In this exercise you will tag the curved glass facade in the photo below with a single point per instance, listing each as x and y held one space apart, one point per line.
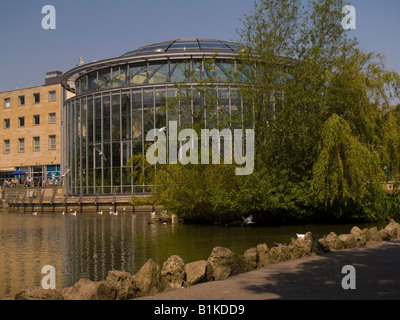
117 104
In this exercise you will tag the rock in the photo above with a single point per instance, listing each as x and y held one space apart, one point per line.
124 282
316 247
300 248
384 235
85 289
38 293
195 272
262 251
374 234
278 254
224 263
252 259
348 240
324 244
361 240
173 272
148 280
393 229
305 247
334 242
366 234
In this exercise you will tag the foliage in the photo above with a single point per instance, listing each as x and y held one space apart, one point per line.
324 144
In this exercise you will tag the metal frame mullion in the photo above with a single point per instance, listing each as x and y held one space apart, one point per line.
102 143
121 151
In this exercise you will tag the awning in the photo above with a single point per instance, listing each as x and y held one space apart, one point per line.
19 172
7 170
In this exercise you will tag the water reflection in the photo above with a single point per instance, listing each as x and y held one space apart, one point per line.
89 245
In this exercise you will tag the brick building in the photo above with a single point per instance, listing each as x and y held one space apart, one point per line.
30 132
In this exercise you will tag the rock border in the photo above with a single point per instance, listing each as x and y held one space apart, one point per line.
221 264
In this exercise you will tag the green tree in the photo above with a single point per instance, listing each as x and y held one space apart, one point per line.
322 142
346 171
307 70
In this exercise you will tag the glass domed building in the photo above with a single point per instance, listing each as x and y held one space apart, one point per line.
118 100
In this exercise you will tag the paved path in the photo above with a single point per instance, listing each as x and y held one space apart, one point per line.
313 278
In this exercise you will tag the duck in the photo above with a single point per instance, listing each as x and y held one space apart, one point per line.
34 213
100 212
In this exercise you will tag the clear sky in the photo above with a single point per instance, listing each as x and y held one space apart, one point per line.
100 29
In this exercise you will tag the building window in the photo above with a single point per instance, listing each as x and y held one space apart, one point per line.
36 120
52 142
21 100
21 122
36 97
6 123
52 96
52 117
6 146
21 145
36 144
7 103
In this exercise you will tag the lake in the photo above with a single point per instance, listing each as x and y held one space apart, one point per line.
89 245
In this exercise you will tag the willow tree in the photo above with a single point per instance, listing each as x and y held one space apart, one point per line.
307 68
347 172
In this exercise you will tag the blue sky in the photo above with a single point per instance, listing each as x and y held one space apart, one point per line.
103 29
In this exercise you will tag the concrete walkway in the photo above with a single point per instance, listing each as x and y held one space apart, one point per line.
377 268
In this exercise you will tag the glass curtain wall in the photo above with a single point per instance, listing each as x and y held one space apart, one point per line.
107 121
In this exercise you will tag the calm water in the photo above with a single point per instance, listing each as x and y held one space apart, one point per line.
89 245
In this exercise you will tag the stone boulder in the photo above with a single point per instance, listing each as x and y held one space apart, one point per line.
334 242
374 234
262 251
85 289
316 247
393 229
299 248
148 280
173 272
324 244
252 258
304 247
384 235
348 240
196 272
366 234
124 282
360 237
38 293
278 254
224 263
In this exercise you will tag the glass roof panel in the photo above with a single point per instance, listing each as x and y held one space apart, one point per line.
186 45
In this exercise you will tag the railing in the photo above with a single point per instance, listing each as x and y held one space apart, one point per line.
115 190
